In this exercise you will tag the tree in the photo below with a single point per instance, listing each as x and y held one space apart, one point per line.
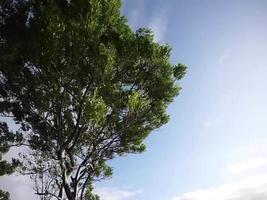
4 195
82 86
7 138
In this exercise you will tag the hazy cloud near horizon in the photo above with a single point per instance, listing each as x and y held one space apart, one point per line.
244 180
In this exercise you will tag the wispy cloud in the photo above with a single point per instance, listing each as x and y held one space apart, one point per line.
159 24
224 56
23 189
136 14
107 193
248 178
210 122
253 188
140 15
246 165
20 187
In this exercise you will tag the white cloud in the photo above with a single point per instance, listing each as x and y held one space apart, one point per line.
137 14
107 193
249 164
159 25
256 148
224 56
19 187
253 188
248 178
157 20
210 122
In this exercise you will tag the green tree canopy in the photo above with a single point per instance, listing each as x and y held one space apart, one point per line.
82 86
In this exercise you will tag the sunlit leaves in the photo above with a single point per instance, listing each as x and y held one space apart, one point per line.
95 109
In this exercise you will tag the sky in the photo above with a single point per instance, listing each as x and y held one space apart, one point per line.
215 144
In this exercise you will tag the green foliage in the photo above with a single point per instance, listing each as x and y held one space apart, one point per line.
4 195
6 168
83 87
90 195
179 71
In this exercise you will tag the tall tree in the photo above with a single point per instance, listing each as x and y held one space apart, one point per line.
82 86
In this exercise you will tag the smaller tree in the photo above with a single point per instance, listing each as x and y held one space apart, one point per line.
4 195
7 138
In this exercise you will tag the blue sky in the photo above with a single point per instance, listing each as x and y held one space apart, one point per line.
216 140
215 145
